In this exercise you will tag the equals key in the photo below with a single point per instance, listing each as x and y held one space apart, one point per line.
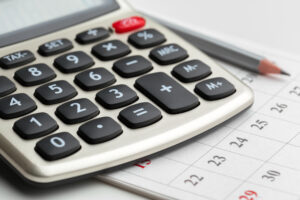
140 115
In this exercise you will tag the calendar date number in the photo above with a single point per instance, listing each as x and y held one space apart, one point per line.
249 195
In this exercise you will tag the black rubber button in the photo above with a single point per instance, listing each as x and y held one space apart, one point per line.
6 86
35 125
55 47
140 115
146 38
16 105
116 96
55 92
100 130
168 54
77 111
166 93
110 50
132 66
34 75
215 88
94 79
57 146
73 62
191 71
16 59
92 35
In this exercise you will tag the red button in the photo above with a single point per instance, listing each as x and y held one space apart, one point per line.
129 24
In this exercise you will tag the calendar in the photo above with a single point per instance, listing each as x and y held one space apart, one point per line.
254 156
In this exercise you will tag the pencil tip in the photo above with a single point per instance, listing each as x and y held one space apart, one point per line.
285 73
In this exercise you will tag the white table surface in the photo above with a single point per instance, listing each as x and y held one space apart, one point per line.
269 23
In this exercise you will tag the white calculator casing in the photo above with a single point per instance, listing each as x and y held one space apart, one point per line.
133 143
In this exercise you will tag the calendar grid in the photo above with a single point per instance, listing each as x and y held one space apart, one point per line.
261 149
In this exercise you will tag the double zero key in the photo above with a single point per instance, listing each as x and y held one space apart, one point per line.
166 93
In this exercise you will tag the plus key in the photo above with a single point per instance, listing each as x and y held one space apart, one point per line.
167 93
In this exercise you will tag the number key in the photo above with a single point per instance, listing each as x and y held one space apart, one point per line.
77 111
16 105
116 96
34 75
34 126
55 92
57 146
94 79
73 62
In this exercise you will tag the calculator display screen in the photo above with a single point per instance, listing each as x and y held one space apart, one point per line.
23 19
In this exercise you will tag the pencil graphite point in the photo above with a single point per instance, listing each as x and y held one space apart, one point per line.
267 67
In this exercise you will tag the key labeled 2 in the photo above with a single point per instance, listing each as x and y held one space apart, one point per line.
77 111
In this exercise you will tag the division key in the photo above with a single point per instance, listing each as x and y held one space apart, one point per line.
166 93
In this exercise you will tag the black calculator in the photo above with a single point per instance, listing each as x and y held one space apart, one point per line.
101 87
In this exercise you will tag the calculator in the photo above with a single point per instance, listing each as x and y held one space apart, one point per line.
98 85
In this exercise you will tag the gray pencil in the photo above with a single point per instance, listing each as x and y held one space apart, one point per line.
232 54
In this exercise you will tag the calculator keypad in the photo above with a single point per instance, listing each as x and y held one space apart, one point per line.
110 50
166 93
55 92
140 115
168 54
116 96
215 88
92 35
191 71
94 79
146 38
34 75
77 111
35 125
55 47
100 130
159 87
16 59
73 62
57 146
132 66
16 105
6 86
